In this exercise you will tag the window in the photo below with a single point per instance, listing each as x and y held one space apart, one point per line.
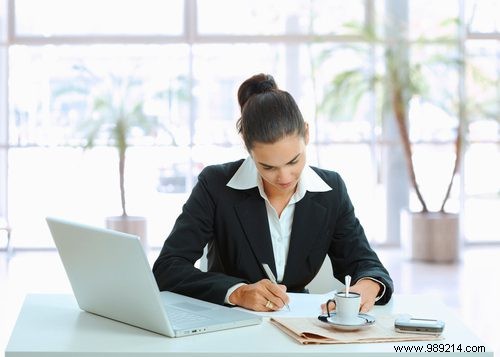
183 61
482 16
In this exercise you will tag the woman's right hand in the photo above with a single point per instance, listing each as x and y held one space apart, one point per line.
263 295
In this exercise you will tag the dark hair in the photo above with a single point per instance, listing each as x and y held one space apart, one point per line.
268 114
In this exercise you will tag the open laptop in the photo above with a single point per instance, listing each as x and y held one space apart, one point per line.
111 277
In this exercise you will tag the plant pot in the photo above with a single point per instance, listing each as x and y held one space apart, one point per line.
431 236
135 225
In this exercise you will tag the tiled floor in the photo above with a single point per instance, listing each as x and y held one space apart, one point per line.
471 287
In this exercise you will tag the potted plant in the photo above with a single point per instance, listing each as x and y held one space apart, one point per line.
429 235
116 112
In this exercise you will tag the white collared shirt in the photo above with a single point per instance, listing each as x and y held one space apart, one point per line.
247 177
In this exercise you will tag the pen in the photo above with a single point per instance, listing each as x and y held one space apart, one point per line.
271 277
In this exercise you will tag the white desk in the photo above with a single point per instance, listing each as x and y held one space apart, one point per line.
54 325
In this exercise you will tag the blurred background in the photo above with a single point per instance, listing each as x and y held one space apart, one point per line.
157 80
181 62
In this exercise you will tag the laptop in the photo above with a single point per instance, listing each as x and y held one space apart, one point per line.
111 277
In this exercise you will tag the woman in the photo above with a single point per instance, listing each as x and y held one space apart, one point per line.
269 208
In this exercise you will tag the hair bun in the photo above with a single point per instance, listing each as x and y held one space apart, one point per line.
266 85
257 84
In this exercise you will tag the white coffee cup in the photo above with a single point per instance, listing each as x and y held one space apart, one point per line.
346 306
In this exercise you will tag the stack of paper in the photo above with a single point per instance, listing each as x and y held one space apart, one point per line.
307 330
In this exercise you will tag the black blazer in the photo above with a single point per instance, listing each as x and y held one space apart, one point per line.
233 223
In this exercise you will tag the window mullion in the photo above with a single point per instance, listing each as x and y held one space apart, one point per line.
4 103
11 20
190 21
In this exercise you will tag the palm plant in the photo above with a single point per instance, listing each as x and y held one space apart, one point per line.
117 113
399 82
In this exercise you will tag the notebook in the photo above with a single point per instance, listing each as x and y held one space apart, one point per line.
111 277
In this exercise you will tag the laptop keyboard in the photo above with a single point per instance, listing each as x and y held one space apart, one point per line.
183 317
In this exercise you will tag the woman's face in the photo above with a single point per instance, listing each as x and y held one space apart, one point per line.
281 163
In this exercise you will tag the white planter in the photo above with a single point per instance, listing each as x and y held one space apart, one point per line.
431 236
135 225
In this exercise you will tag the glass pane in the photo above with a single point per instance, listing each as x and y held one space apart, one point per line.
433 111
433 19
55 91
217 78
482 192
342 77
433 168
262 17
482 87
90 17
483 15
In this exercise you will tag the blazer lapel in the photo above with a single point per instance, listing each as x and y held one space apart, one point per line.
308 222
253 218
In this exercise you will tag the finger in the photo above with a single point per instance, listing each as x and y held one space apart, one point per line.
282 296
262 304
331 307
366 306
277 294
276 289
270 301
269 305
275 303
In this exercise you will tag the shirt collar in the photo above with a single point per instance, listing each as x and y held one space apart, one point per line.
247 177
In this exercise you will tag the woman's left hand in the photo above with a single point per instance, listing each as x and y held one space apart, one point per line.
367 288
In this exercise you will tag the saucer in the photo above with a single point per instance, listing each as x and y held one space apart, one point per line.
362 321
